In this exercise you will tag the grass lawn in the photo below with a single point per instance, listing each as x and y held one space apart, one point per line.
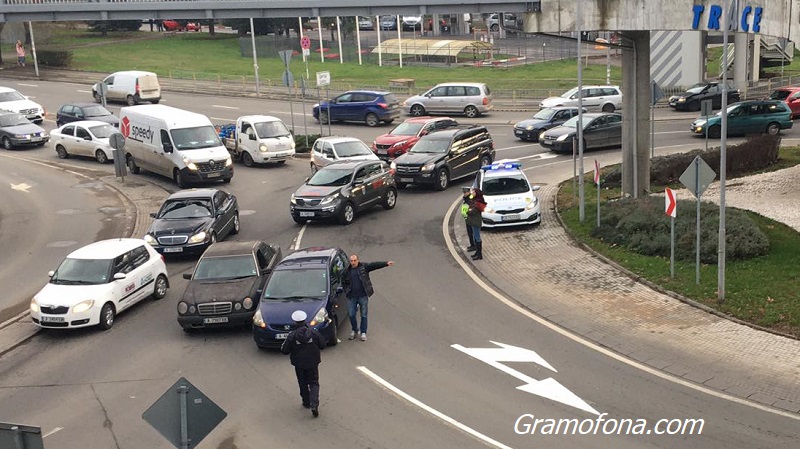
764 290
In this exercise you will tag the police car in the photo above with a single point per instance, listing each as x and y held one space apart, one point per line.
509 196
96 282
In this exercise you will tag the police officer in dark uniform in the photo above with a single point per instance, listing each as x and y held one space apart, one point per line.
303 345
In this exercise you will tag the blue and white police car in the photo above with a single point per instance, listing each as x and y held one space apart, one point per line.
509 196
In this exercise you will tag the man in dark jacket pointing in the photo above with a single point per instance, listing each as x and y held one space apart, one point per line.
359 289
303 345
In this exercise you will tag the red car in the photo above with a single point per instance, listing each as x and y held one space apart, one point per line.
790 96
400 139
174 25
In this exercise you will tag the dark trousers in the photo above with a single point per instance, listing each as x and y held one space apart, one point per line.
308 380
470 235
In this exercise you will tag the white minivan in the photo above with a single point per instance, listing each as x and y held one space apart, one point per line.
95 283
131 87
181 145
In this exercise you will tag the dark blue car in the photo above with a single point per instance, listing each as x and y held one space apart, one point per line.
310 280
370 107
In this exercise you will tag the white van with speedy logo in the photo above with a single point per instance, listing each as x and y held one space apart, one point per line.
175 143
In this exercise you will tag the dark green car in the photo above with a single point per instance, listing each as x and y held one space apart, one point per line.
747 117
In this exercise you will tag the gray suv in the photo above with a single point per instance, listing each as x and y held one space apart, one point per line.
470 99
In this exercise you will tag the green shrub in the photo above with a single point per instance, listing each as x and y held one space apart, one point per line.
300 142
641 226
54 58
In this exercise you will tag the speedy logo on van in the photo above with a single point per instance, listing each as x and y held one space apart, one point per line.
137 133
125 126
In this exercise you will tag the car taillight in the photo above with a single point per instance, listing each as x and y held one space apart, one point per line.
485 101
163 259
383 105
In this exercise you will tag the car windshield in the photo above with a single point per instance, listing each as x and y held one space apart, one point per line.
573 123
406 129
266 130
431 146
96 111
352 148
225 267
544 114
186 208
696 89
13 120
779 95
195 138
331 177
505 186
570 93
287 285
103 131
11 96
82 272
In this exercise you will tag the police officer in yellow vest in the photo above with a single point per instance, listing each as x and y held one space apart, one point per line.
467 197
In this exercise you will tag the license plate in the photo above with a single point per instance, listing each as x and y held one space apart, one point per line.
214 175
306 214
382 151
406 179
36 139
222 319
52 319
281 336
174 250
517 132
512 217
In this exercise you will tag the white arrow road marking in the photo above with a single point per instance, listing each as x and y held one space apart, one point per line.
21 187
539 156
548 388
223 107
52 432
299 237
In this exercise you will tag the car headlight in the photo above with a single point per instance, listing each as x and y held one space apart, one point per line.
541 135
150 239
321 316
564 137
293 199
247 303
258 320
34 306
699 123
682 100
529 127
429 166
22 136
393 166
183 308
531 203
329 199
228 162
83 306
191 166
262 148
488 210
199 237
400 144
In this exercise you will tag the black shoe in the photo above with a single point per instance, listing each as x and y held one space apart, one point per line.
471 248
315 412
479 252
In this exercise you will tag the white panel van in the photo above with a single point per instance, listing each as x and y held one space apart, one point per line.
175 143
131 87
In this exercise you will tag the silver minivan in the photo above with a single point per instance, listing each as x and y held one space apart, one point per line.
469 99
131 87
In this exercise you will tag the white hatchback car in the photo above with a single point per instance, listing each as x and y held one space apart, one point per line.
595 98
84 138
96 282
331 149
509 196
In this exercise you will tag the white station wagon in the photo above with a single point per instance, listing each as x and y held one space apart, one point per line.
96 282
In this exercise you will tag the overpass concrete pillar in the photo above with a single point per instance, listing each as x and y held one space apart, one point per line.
636 114
755 62
741 50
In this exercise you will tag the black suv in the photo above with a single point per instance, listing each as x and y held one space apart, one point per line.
440 157
341 189
690 100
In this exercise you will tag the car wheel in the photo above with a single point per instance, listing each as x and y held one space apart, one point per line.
388 122
247 159
486 160
130 100
323 117
372 120
97 97
495 27
132 167
101 157
7 143
62 152
298 220
608 108
348 214
236 224
417 110
442 179
773 129
59 124
471 111
714 132
391 199
160 289
155 101
179 179
107 315
281 162
335 337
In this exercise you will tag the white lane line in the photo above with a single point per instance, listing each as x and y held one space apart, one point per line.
52 432
223 107
403 395
299 237
588 343
27 85
225 119
84 91
530 145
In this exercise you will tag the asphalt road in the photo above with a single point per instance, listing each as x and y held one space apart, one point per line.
408 386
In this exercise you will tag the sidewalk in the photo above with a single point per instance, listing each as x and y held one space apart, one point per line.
549 273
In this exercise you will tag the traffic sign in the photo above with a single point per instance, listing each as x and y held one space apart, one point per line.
286 56
698 176
305 42
596 173
656 92
670 203
323 78
306 52
116 141
706 107
184 415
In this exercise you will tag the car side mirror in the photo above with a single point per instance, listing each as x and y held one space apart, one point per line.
118 276
423 133
339 290
306 180
187 275
220 213
167 147
252 136
535 188
51 273
260 291
153 214
358 183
